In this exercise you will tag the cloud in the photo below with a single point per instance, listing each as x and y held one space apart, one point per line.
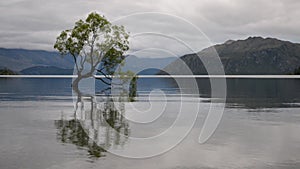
35 24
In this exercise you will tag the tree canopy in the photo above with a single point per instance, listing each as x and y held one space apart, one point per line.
94 40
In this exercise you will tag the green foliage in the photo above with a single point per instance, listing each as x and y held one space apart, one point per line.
71 131
297 71
94 40
6 71
133 88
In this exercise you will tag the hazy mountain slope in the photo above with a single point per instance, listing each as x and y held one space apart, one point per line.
46 70
134 63
19 59
45 62
254 55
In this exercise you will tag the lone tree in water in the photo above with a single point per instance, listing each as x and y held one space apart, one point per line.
93 42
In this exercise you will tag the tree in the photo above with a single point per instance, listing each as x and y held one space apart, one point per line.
6 71
297 71
93 42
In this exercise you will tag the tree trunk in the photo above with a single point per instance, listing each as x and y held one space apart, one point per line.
75 85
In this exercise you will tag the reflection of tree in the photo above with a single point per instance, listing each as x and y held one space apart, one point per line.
105 123
71 131
97 127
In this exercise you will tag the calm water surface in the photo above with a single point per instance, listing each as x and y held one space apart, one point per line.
259 129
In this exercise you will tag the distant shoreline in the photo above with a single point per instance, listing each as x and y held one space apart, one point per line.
167 76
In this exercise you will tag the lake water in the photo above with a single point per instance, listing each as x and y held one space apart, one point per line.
259 128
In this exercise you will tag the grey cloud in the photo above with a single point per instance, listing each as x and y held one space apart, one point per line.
35 24
270 18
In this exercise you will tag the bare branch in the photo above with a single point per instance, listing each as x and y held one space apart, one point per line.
75 60
102 80
105 75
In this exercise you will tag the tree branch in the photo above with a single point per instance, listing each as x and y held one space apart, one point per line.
104 81
75 60
105 75
102 91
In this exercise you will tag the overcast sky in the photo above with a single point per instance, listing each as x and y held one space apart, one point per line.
34 24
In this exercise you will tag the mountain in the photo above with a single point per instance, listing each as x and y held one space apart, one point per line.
40 62
255 55
19 59
135 64
150 71
46 70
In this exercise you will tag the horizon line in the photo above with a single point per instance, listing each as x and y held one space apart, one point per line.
164 76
